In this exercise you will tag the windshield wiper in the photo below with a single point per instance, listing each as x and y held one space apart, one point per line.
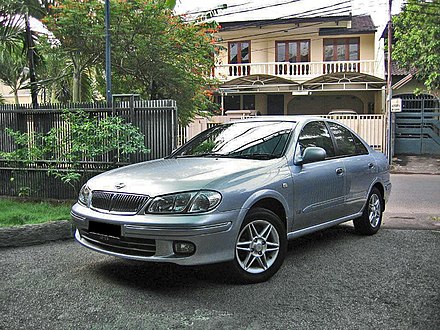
262 156
206 154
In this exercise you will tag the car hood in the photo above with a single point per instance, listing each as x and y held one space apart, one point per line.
165 176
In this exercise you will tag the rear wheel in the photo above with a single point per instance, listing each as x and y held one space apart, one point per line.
260 247
371 219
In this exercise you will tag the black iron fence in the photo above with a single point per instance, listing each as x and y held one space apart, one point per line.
156 120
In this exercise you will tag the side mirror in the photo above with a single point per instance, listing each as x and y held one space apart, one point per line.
311 155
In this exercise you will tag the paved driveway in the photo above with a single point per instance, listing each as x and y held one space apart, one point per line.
333 279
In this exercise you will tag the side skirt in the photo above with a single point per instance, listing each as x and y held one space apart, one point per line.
309 230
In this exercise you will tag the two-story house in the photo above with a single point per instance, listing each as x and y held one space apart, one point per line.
301 66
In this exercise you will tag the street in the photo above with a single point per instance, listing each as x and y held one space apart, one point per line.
414 202
332 279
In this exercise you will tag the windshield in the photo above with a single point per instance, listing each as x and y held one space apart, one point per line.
255 140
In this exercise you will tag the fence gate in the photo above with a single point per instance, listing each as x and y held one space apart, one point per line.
417 129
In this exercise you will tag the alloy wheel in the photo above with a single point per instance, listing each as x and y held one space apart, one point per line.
257 246
374 210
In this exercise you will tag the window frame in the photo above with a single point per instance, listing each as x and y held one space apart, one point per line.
358 152
239 48
347 48
330 136
337 154
298 50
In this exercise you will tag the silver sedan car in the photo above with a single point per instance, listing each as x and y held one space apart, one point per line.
235 194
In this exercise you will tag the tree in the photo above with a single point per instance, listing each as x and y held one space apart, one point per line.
14 72
10 29
154 53
15 31
417 41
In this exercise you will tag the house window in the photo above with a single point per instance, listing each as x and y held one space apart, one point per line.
341 49
239 52
249 102
232 102
293 51
239 102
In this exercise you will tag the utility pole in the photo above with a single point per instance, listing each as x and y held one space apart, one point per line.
108 73
389 90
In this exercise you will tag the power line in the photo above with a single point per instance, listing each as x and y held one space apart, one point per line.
298 15
293 35
267 33
258 8
272 32
208 10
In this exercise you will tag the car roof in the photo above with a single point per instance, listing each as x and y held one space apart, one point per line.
293 119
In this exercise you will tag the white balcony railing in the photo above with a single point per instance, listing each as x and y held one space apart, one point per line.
301 71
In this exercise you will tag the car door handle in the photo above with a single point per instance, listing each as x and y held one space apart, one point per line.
339 171
370 165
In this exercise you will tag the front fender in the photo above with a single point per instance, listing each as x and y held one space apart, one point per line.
261 195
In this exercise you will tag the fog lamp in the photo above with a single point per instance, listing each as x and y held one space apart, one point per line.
186 248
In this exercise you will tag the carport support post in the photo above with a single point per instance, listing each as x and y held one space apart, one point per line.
223 103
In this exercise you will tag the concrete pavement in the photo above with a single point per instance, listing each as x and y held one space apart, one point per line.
407 164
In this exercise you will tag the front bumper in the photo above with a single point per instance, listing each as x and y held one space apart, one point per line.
151 237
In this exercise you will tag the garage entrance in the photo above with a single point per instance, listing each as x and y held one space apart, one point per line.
417 126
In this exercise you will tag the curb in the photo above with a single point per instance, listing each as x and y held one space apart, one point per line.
412 173
35 234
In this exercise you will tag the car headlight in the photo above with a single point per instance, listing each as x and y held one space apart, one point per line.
84 195
187 202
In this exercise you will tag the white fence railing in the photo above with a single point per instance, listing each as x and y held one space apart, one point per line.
299 70
370 127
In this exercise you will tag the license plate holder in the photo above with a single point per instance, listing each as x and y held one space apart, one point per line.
106 229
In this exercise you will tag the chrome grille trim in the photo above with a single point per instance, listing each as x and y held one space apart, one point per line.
117 203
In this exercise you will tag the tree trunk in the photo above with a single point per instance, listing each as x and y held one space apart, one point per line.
30 54
53 94
76 86
17 101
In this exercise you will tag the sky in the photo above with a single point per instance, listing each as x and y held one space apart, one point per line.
378 9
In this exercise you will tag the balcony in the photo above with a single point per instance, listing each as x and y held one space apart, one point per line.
298 72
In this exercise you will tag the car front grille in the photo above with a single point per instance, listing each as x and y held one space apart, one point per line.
119 203
121 245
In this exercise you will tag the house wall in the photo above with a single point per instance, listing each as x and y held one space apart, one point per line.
321 103
24 96
263 50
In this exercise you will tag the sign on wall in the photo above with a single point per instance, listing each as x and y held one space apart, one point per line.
396 105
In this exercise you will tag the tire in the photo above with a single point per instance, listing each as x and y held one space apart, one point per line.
260 247
371 219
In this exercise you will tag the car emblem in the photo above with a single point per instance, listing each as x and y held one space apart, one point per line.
120 185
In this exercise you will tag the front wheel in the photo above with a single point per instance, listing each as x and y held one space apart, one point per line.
370 220
260 247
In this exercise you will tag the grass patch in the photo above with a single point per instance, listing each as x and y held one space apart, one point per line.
17 212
